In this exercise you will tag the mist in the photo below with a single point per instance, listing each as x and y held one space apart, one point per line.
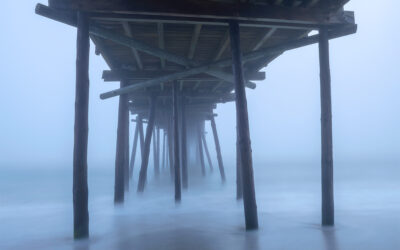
37 125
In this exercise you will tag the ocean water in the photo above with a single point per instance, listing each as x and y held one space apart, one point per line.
36 210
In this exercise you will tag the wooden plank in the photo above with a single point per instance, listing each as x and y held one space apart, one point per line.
80 186
210 9
264 39
195 39
249 198
326 131
68 18
222 46
118 75
160 32
128 32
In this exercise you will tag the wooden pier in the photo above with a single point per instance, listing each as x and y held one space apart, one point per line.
176 61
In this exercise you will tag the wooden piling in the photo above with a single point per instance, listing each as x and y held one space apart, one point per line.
239 181
326 131
200 147
203 138
175 118
120 156
249 198
184 144
146 147
80 187
139 123
170 148
158 149
126 139
156 167
218 149
133 154
163 151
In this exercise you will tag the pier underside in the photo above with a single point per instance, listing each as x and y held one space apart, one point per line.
176 61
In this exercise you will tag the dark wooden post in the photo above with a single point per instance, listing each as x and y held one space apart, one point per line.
203 138
249 197
156 166
133 154
175 120
158 149
146 148
200 146
326 131
163 151
218 149
120 157
239 181
80 186
170 148
126 140
184 145
139 123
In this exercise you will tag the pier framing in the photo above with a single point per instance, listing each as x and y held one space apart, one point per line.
162 51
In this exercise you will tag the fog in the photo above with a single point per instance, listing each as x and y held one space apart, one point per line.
36 134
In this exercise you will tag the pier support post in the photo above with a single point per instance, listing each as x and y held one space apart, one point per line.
170 148
326 131
155 142
175 118
133 154
203 138
80 187
184 144
163 151
249 197
146 148
139 123
200 146
218 149
239 179
120 158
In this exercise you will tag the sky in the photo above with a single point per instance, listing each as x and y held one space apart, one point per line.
38 93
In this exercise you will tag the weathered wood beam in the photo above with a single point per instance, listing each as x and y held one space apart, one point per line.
239 181
249 199
193 42
218 149
160 32
128 32
68 18
326 131
133 154
156 166
254 55
118 75
223 44
80 186
175 120
203 138
164 151
200 148
146 153
210 9
264 39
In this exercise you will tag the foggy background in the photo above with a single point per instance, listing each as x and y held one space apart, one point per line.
38 92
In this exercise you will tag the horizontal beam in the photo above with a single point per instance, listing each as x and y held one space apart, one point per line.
207 9
227 62
69 18
118 75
